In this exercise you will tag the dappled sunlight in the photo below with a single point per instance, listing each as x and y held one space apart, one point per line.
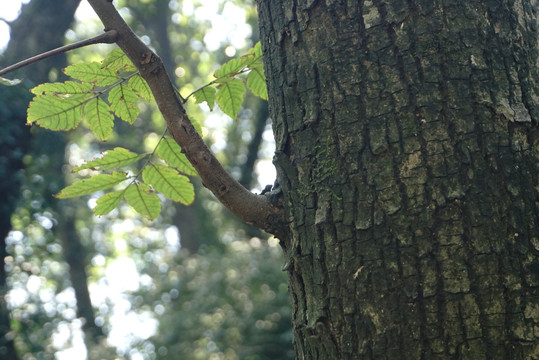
145 290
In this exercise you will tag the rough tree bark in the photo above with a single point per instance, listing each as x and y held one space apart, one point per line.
407 150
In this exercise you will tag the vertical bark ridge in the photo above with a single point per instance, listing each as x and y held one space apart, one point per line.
411 147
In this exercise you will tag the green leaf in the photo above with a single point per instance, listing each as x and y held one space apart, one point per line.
170 152
67 88
111 159
256 50
9 82
230 68
230 96
108 202
143 200
57 112
91 185
206 94
168 182
98 115
141 87
123 101
235 66
256 81
116 60
92 72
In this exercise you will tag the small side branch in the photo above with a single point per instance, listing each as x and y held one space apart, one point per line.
108 37
256 210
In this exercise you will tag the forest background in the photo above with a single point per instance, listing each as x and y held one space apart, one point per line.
195 283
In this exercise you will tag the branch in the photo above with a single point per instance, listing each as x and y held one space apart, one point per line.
108 37
254 209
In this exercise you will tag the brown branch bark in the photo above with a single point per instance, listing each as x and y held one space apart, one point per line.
254 209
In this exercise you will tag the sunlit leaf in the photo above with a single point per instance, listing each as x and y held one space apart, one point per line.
67 88
206 94
232 67
230 96
57 112
256 81
108 202
170 152
143 200
98 115
168 182
116 60
256 50
141 87
92 72
91 185
9 82
123 101
115 158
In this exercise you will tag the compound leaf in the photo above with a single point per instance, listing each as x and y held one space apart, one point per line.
123 101
256 81
256 51
67 88
170 152
92 72
108 202
111 159
168 182
206 94
57 112
98 115
235 66
116 60
141 87
91 185
143 200
230 96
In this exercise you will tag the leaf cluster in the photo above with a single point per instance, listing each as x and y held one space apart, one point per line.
228 88
100 91
168 177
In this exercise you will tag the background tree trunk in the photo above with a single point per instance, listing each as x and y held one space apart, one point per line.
407 150
40 27
13 144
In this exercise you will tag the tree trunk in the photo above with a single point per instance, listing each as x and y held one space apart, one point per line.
40 27
407 150
13 145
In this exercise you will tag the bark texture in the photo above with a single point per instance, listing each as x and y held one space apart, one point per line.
407 152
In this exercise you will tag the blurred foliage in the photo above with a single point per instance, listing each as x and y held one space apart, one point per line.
227 298
231 305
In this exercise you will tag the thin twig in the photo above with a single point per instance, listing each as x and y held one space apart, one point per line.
108 37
